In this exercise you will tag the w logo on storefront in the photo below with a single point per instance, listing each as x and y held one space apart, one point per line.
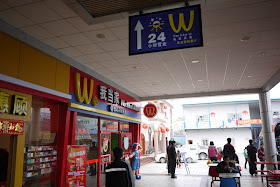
150 110
182 23
83 97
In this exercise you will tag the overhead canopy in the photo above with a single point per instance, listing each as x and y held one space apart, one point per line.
240 55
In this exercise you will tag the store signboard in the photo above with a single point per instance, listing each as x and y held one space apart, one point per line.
11 127
76 165
150 110
165 30
105 159
249 121
15 105
93 95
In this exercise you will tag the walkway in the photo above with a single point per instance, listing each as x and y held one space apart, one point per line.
155 175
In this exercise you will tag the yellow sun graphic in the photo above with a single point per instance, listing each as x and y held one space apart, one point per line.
156 23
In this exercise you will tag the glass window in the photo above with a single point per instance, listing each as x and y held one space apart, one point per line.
40 153
108 125
86 133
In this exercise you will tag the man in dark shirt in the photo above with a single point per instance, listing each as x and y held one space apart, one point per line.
171 152
251 151
119 173
229 150
226 166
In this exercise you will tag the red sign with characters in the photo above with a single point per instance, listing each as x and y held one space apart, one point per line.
11 127
105 159
248 122
150 110
76 166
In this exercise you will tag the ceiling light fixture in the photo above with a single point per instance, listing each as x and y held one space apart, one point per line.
100 36
245 38
195 61
249 76
262 54
199 80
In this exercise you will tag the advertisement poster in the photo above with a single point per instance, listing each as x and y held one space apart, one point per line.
76 166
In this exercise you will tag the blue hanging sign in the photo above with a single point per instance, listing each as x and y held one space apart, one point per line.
165 30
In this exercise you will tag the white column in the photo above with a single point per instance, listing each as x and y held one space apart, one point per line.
268 135
156 141
163 143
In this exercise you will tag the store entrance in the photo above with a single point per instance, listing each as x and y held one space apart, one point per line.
5 152
115 141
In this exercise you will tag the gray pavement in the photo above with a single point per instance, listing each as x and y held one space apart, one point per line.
155 175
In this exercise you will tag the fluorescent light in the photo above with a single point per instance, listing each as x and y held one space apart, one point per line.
195 61
245 38
199 80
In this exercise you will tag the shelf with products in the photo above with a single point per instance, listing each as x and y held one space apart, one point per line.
39 172
35 163
39 167
40 154
39 148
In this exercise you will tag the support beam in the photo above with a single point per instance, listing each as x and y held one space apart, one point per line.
203 94
273 81
268 135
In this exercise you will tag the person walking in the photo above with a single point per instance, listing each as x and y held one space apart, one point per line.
252 150
119 173
229 150
171 151
168 163
261 155
245 156
212 152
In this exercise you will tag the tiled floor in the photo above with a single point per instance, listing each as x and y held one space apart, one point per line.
155 175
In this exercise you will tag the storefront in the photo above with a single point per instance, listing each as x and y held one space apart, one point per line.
101 118
33 115
29 126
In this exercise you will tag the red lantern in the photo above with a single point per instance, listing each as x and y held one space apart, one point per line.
164 107
162 130
212 114
145 126
155 102
167 129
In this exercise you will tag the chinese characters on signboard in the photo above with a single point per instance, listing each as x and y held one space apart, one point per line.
15 105
11 127
165 30
107 94
18 106
76 165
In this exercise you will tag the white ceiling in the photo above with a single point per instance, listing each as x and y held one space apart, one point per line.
224 62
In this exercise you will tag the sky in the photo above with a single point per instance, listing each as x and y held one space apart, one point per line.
177 103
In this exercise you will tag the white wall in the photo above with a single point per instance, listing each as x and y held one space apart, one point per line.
219 137
221 111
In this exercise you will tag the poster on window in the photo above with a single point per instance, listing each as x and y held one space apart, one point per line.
76 166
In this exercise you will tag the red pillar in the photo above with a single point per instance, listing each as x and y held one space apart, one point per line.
62 141
72 128
99 155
